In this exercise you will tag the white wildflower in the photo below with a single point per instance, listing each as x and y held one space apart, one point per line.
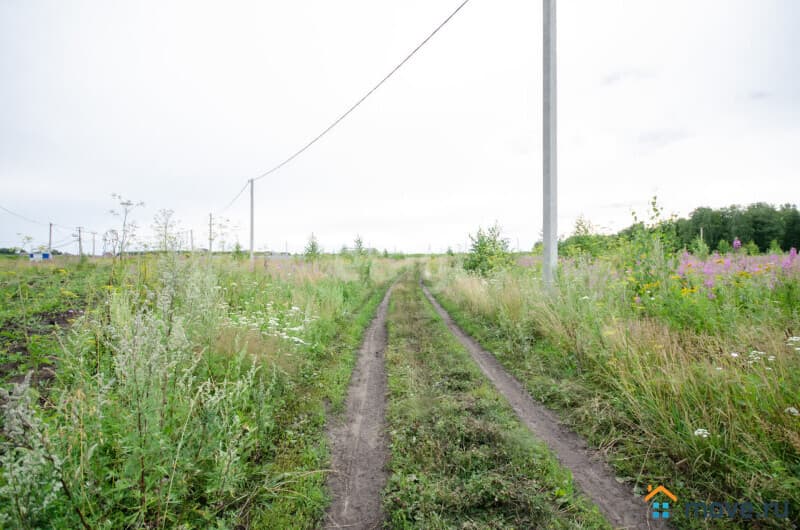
734 354
792 411
718 368
703 433
771 358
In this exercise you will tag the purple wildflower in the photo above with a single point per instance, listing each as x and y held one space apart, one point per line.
736 243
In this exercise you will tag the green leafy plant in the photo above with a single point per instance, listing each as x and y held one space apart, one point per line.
489 251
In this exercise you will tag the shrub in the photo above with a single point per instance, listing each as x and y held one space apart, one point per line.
312 250
489 251
699 248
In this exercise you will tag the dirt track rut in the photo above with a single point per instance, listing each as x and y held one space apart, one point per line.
591 473
359 443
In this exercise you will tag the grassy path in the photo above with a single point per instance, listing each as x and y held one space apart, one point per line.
459 456
592 475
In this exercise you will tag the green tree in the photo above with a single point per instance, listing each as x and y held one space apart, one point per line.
312 251
767 224
358 246
489 251
791 227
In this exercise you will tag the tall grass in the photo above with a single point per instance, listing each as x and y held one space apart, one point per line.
190 397
685 381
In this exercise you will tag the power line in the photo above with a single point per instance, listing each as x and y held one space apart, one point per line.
15 214
363 98
65 244
34 221
237 196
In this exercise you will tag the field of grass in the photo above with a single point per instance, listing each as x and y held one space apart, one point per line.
685 371
184 394
169 391
460 458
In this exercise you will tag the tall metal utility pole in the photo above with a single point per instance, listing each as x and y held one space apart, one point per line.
50 241
550 144
252 238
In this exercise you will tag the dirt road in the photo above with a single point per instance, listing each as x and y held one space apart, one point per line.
592 475
359 443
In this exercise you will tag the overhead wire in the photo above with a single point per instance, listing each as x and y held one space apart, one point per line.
56 226
365 96
15 214
235 198
319 136
354 106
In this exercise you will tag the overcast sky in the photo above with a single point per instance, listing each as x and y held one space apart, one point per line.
178 103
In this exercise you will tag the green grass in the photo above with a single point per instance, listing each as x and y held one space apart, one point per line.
638 384
189 395
37 300
459 456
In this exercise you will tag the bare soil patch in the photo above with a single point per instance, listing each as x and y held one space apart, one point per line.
359 443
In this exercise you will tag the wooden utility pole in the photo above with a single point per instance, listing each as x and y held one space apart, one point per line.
550 211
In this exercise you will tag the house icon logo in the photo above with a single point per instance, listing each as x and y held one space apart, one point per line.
659 509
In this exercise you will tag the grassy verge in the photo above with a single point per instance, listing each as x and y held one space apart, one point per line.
301 450
668 404
460 458
192 396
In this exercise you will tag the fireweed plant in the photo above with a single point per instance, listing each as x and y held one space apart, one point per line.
686 371
190 396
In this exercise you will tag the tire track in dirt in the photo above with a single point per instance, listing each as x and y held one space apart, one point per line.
592 475
359 442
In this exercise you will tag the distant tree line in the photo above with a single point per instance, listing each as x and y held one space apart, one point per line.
759 227
763 224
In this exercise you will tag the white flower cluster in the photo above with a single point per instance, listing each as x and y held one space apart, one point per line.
754 356
702 433
287 324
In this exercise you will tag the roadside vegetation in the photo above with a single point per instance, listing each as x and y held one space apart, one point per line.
186 394
38 300
459 456
684 367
